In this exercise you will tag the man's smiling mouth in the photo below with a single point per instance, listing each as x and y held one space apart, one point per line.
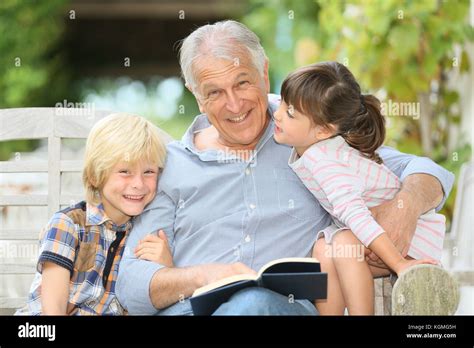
239 118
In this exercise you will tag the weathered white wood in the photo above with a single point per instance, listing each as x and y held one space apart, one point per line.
12 302
70 199
71 166
19 234
17 268
54 175
22 200
27 123
23 166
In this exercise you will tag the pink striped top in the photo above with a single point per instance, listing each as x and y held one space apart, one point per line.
346 184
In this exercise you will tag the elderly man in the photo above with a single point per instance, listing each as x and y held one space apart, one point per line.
227 199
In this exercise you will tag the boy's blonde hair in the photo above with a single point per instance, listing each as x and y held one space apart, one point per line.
115 138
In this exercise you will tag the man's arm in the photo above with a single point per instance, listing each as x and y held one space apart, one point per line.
135 275
144 287
425 186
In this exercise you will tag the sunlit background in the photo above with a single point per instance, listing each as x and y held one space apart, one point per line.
122 55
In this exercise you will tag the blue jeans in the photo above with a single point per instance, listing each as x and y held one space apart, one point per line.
261 301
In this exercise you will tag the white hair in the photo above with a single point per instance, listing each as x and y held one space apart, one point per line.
225 39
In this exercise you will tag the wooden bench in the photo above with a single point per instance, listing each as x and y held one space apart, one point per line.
55 125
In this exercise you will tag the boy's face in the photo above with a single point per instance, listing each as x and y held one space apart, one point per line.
296 129
128 190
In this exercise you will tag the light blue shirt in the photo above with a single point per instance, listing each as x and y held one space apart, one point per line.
217 208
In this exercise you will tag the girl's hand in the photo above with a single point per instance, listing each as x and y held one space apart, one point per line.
405 264
155 248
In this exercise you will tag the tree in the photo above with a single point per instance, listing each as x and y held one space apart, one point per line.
402 50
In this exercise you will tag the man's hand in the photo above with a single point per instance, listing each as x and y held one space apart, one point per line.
213 272
399 220
155 248
399 216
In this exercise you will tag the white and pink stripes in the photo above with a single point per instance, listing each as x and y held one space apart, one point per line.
346 184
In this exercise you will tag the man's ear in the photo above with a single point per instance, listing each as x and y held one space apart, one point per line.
201 107
265 76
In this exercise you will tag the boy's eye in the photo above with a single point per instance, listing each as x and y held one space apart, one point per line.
289 114
150 171
124 171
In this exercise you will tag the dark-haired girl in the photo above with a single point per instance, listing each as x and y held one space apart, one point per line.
336 131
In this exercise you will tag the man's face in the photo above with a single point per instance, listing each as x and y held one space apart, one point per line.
234 97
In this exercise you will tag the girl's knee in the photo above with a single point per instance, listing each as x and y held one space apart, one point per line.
319 249
345 237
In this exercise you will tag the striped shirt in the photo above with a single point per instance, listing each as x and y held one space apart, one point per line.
347 184
83 240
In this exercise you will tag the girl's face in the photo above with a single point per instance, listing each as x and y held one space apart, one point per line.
128 190
296 129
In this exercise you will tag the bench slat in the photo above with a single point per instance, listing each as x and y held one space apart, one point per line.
12 302
17 268
23 167
19 234
21 200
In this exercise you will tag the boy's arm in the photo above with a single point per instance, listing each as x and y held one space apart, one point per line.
54 289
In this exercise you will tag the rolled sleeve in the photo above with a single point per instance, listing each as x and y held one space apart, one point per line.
135 275
424 165
133 285
59 243
404 165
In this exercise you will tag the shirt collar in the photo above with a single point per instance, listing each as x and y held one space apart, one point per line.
95 215
201 122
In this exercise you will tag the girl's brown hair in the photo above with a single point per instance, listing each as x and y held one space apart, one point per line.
329 94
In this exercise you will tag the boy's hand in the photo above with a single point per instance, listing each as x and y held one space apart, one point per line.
155 248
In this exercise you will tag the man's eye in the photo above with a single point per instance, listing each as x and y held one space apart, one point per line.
244 83
213 94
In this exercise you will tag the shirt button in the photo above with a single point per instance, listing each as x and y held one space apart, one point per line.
111 250
247 238
252 206
247 171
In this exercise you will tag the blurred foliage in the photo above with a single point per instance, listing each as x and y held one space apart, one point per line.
402 50
31 69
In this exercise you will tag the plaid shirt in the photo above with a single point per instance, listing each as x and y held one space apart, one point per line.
86 242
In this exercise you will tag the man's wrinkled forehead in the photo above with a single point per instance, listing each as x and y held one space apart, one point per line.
209 67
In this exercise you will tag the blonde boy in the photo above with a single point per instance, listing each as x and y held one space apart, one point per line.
81 246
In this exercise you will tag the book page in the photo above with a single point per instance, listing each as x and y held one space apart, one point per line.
286 259
225 281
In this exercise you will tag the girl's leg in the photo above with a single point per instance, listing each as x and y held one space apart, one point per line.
355 277
334 303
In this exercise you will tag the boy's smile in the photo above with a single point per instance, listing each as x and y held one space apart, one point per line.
128 190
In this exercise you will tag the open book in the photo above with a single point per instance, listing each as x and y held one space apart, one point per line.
298 278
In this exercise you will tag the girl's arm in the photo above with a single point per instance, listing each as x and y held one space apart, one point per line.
384 248
54 289
343 187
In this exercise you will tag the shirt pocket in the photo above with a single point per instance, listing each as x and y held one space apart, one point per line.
293 198
86 256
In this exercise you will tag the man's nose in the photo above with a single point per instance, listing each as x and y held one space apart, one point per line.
233 102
